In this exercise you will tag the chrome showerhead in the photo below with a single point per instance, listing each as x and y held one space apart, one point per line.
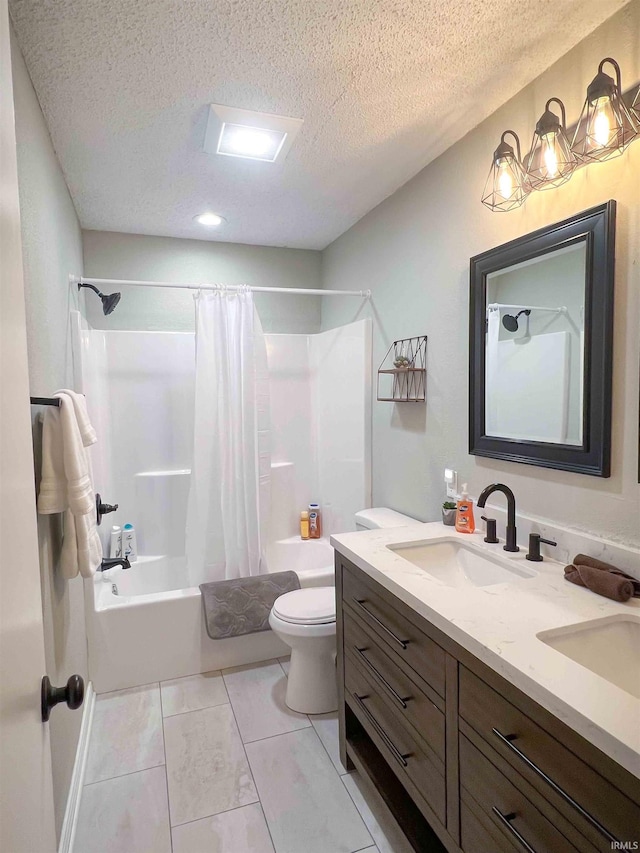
109 300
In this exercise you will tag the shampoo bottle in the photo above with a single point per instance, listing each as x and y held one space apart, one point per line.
304 524
315 523
464 513
115 542
129 546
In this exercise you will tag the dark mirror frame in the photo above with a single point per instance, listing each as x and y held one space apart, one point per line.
597 227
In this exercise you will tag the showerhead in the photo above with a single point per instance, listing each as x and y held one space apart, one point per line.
109 300
511 323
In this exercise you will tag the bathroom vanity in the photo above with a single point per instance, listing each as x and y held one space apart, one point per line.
460 704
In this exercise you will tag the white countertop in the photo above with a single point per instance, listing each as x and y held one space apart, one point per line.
498 624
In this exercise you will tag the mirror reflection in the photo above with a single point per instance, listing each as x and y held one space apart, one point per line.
534 381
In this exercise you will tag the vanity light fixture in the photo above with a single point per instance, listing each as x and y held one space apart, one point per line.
506 186
210 220
551 161
635 106
606 126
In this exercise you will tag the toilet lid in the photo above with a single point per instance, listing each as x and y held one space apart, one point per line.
307 606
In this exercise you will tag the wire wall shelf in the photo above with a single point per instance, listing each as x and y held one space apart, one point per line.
402 376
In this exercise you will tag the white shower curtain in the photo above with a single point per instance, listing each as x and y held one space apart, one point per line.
228 508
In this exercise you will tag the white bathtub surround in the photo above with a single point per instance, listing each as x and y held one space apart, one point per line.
131 812
499 623
140 394
153 628
228 508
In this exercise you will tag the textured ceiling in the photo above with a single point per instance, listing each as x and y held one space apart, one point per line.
383 86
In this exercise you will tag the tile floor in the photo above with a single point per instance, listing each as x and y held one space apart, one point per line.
217 763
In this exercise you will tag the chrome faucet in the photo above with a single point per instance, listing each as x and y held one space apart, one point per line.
511 511
107 563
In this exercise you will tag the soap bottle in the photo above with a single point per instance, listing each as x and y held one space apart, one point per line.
115 541
304 524
315 522
129 546
464 513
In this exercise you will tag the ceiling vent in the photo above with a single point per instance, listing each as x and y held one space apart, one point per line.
232 132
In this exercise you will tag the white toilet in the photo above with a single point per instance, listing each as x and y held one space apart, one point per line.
305 620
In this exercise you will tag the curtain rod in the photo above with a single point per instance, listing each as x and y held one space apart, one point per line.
495 306
232 288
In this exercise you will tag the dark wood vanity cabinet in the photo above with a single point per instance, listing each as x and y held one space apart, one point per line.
464 760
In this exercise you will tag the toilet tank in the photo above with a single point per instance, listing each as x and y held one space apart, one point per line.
381 516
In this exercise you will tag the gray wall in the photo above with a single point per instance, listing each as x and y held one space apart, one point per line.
52 247
133 256
413 251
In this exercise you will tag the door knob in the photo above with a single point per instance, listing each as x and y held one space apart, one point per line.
72 693
103 509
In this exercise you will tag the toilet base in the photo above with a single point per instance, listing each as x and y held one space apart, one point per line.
312 686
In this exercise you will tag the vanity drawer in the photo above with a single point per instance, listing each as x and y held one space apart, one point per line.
394 684
595 806
503 807
395 630
421 772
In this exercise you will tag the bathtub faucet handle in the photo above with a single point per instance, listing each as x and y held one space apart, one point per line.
108 563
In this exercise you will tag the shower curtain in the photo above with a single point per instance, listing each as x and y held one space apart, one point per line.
228 507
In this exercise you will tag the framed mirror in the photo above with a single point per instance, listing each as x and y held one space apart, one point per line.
541 335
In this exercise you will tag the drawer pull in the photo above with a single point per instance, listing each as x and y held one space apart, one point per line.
402 643
394 693
393 749
507 741
505 820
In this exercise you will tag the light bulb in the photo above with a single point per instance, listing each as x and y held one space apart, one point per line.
251 142
549 155
505 183
602 121
211 220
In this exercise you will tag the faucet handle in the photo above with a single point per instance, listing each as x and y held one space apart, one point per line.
535 540
491 530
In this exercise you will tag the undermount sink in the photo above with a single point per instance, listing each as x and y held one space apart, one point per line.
458 565
608 647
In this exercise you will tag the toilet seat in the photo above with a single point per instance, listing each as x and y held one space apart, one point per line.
313 606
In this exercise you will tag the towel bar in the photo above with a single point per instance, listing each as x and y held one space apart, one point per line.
45 401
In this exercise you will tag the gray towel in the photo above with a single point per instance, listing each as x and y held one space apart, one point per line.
242 605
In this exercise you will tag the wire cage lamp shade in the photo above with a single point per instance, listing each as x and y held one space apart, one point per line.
635 107
606 125
550 162
506 186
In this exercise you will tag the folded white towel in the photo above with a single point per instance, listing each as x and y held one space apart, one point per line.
66 482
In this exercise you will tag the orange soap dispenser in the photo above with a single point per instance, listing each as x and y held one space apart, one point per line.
464 513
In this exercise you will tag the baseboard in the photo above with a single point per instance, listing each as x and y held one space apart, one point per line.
68 833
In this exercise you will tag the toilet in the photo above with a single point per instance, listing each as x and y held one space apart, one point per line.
305 620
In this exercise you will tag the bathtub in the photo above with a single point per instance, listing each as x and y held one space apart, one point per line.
146 624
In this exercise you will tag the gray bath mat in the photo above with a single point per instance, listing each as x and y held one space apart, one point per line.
242 605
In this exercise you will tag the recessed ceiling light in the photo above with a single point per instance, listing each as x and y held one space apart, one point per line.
244 133
237 140
212 220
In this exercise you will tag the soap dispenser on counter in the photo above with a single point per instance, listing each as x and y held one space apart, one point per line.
465 522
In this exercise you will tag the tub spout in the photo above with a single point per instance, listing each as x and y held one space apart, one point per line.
107 564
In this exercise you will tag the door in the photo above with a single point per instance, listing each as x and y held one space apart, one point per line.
26 795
